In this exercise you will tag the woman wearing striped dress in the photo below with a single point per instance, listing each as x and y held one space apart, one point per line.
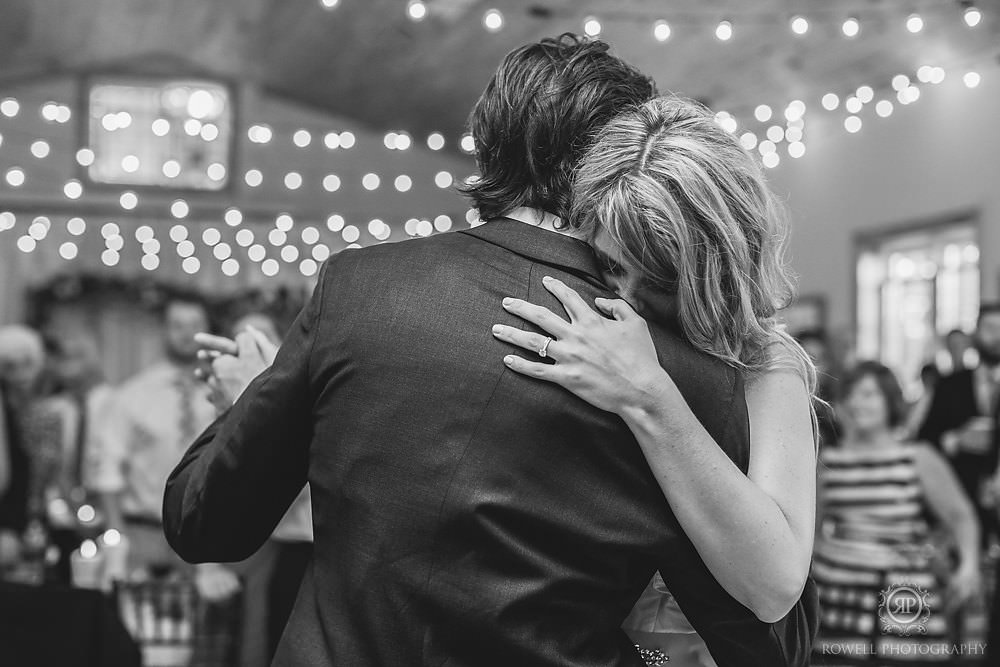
875 562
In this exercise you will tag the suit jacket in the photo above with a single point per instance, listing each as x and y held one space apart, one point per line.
464 515
954 403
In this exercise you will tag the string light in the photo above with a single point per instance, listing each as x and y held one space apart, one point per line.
68 250
762 113
128 200
85 157
73 189
310 235
178 233
724 31
150 262
852 124
233 217
222 251
179 209
350 234
10 107
256 252
329 4
661 31
276 237
76 226
370 181
884 108
493 20
592 27
467 143
254 178
442 223
346 139
748 140
302 138
914 23
209 132
416 10
335 222
403 183
211 236
853 105
443 179
308 268
830 101
15 177
331 140
270 267
284 223
800 25
971 79
866 94
191 265
293 180
972 16
435 141
851 27
40 149
331 182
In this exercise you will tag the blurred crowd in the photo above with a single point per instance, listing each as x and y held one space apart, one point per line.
83 461
908 491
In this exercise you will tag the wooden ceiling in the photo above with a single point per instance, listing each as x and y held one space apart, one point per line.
367 60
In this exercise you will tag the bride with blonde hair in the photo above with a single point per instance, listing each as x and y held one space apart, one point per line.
688 232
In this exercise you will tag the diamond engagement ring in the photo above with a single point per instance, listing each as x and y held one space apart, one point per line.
544 350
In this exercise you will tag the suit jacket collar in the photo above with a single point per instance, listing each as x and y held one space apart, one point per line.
541 246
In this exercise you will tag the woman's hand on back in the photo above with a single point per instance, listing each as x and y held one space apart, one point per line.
604 356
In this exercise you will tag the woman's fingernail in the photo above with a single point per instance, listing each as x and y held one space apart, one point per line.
509 359
508 301
547 279
497 329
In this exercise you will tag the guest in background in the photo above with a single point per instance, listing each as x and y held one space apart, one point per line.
875 493
962 417
77 412
151 420
961 352
930 375
22 360
817 346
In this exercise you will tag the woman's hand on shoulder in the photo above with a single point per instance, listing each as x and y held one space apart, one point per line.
604 355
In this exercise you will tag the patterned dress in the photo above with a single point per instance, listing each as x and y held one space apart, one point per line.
874 562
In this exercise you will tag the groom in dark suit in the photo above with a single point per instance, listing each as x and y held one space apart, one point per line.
465 515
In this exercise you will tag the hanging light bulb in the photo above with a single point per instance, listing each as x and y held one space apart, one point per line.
661 31
800 25
851 27
724 31
416 10
914 23
592 27
493 20
972 16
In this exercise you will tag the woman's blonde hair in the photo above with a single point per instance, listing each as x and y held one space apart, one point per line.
691 210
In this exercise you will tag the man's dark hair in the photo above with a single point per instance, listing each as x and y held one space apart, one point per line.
538 116
887 383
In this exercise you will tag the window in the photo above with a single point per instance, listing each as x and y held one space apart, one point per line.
171 134
913 287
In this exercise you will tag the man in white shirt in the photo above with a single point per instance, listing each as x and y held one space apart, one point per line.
152 418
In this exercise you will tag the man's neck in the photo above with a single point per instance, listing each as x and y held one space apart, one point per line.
536 217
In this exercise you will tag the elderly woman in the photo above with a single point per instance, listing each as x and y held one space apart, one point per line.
22 359
876 496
